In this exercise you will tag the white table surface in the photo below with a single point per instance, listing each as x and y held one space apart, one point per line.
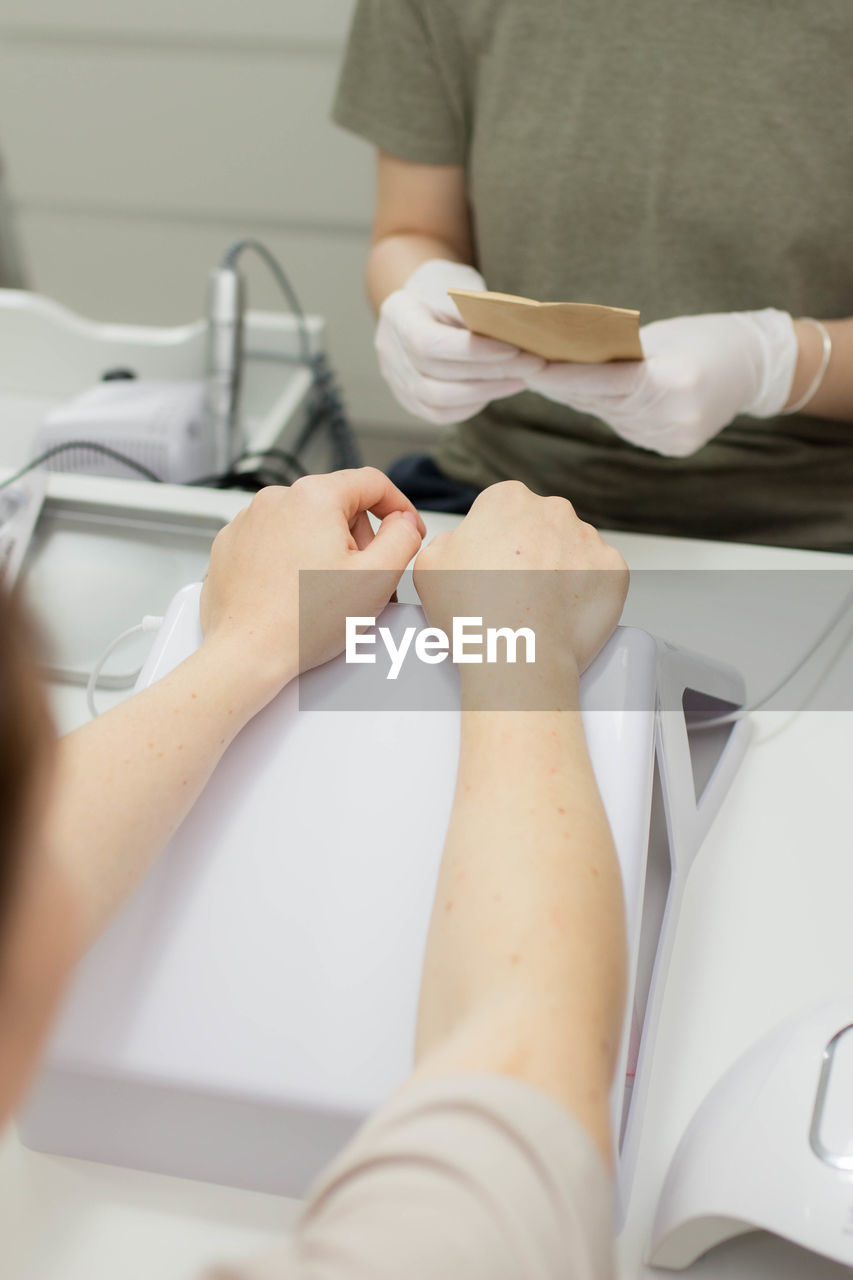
765 929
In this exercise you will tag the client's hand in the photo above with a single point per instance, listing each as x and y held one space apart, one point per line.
572 612
250 604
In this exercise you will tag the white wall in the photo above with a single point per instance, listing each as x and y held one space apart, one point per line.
141 136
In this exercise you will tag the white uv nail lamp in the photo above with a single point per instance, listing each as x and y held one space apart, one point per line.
770 1148
256 999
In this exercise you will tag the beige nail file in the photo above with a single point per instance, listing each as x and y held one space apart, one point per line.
578 331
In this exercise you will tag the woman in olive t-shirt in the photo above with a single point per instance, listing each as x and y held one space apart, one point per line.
675 157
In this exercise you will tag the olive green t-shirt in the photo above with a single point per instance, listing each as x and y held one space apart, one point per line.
675 156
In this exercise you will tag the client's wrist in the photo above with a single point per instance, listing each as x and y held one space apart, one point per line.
550 684
248 671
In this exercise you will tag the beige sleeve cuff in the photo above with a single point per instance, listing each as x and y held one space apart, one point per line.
474 1177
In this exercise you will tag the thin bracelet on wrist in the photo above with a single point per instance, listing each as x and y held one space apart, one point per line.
812 389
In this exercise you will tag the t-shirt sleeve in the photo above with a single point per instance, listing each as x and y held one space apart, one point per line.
474 1177
392 90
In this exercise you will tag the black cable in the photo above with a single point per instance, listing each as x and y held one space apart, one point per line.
248 480
283 455
230 261
327 406
91 445
230 479
251 481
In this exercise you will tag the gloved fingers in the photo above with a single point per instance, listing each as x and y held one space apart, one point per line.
581 381
521 366
610 409
444 403
435 394
445 342
399 365
434 335
440 371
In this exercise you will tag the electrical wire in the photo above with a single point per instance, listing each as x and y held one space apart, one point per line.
235 250
733 716
149 623
82 444
231 479
223 479
328 406
250 481
282 455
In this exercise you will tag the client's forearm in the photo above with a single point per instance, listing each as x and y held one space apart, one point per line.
525 965
126 781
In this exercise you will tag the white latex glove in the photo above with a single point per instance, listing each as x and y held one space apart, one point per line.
435 367
699 373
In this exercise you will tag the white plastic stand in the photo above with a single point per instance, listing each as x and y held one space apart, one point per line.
256 1000
693 771
50 354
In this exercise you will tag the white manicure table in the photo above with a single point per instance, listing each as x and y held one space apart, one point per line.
764 930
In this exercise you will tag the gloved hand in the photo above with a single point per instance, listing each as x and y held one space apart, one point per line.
435 367
699 373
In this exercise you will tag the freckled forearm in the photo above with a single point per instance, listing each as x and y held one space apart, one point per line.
126 781
525 960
